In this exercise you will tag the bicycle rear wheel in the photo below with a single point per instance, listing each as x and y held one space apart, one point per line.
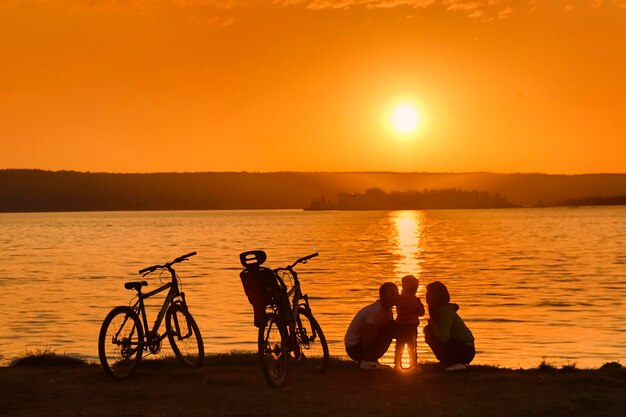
184 336
312 342
273 356
120 343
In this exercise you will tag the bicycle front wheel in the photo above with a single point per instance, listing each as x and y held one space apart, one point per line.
273 354
312 342
184 336
120 343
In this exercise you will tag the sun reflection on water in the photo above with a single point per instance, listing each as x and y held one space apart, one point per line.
408 233
407 239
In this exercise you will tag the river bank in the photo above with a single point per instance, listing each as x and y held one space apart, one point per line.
232 385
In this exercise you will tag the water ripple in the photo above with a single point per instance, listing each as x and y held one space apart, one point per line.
531 283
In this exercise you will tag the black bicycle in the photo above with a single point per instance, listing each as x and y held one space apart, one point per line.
289 328
124 337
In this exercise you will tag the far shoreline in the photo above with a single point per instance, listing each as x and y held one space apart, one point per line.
306 209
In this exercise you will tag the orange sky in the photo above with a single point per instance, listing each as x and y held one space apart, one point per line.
203 85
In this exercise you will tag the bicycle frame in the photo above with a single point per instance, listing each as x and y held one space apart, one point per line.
295 294
295 297
173 293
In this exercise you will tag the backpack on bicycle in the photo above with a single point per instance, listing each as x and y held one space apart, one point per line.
262 287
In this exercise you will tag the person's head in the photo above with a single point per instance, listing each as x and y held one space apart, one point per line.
436 295
410 284
388 294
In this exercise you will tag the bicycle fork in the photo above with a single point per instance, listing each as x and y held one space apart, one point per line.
176 328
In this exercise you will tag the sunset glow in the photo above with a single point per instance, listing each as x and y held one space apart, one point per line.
309 85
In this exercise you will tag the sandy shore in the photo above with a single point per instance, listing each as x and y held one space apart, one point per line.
232 385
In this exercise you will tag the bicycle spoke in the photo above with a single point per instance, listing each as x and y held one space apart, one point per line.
184 336
312 343
120 342
274 358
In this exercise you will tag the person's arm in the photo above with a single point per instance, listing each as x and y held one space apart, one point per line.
441 328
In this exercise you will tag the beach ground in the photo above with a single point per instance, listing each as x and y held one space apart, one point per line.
232 385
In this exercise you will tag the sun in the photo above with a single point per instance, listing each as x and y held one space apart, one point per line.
405 118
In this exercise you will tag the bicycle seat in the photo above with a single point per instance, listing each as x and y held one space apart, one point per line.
135 285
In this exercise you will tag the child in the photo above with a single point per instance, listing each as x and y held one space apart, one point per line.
408 309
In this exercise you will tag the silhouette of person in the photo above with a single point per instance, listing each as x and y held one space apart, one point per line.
409 309
447 335
372 329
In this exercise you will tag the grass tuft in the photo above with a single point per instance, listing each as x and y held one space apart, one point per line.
569 367
46 356
234 357
612 366
159 362
487 368
545 366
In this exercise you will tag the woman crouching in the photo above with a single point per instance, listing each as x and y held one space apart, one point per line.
447 335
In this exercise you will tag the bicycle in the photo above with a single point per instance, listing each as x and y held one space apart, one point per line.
122 340
288 326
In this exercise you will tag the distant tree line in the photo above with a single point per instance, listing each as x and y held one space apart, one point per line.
377 199
26 190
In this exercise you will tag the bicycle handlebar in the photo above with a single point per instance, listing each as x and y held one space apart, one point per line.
184 257
306 258
148 269
167 265
302 260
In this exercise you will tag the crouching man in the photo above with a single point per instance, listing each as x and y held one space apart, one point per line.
372 329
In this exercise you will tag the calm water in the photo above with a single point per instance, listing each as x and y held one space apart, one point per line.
531 283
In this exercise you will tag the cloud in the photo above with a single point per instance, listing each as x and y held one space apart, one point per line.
473 8
221 21
504 13
483 9
345 4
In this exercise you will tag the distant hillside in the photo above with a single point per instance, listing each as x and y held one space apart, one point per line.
36 190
